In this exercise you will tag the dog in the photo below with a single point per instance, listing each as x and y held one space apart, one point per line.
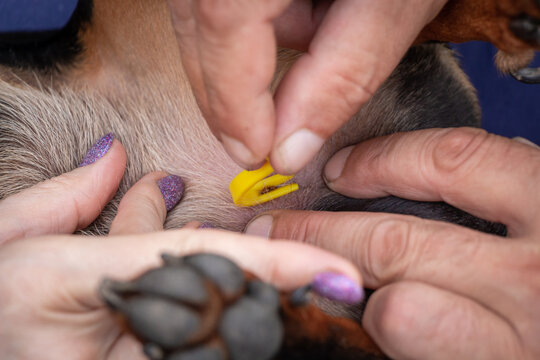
116 67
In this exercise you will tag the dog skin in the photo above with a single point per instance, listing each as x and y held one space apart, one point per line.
128 79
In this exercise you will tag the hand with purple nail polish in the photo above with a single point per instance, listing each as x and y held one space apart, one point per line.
338 287
37 247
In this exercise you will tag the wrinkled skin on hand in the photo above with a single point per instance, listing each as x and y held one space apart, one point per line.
49 304
442 291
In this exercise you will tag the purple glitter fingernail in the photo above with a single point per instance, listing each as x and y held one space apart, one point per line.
97 151
172 189
337 287
206 226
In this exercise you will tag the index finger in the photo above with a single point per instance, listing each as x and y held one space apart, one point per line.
489 176
237 56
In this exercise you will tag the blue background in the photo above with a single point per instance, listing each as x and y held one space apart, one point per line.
35 15
509 107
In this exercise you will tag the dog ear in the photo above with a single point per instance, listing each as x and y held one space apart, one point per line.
46 44
512 26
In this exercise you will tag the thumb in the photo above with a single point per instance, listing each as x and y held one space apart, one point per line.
67 202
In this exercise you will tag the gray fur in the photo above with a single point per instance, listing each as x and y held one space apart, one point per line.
45 131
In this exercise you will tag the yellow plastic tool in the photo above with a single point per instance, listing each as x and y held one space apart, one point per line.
250 188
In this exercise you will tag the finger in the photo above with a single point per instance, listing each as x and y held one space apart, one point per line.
298 24
144 207
237 55
526 142
193 225
287 265
388 248
67 202
126 347
198 225
411 320
355 49
486 175
185 29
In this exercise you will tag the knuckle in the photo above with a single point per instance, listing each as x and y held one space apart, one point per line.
153 204
387 250
353 89
216 15
303 227
459 150
461 245
57 184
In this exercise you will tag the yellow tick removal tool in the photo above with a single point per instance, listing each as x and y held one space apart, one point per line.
250 188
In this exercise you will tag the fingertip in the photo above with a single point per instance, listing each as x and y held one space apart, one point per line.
296 151
98 176
172 190
338 287
239 152
526 142
260 226
98 150
305 264
334 167
70 201
246 129
145 205
107 161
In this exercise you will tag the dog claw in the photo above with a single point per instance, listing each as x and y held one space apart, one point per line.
299 297
526 28
153 352
202 353
527 75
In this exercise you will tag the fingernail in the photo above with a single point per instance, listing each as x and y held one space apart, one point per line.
172 189
298 149
334 167
239 152
206 226
526 141
260 226
338 287
97 151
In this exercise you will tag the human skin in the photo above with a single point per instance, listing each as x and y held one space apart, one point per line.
350 47
228 52
442 291
49 305
120 53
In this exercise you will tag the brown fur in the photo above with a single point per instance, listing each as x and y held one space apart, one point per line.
130 81
486 20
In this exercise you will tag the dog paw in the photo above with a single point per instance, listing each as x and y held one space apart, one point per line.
204 307
199 307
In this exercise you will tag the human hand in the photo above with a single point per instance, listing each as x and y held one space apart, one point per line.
228 49
49 305
443 291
